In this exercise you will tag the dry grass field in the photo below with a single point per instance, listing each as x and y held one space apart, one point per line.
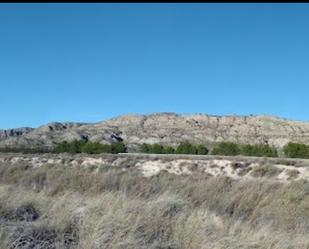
71 204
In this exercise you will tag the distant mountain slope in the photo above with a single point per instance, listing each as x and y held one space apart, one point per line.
165 128
14 132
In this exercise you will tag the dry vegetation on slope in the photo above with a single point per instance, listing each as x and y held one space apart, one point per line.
165 128
63 202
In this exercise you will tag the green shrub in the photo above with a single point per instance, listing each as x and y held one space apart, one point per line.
76 146
183 148
186 148
26 150
265 171
201 149
118 147
168 150
156 149
89 147
232 149
145 148
70 147
296 150
96 148
62 147
226 148
258 150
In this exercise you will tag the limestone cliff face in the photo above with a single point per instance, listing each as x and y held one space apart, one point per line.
166 128
14 132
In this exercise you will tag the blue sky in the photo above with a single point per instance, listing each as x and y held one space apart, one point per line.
90 62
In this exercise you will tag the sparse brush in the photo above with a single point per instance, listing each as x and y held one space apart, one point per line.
57 207
265 171
292 173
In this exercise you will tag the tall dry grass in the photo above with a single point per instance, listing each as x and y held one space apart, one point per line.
54 207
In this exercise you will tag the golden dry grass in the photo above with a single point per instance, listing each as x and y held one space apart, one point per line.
115 209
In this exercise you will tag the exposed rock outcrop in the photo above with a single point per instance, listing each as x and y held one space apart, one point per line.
14 132
166 128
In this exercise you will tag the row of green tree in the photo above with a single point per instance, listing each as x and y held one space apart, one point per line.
232 149
291 150
26 150
296 150
223 148
82 146
182 148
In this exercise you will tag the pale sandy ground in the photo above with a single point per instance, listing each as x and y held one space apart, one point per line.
151 165
214 168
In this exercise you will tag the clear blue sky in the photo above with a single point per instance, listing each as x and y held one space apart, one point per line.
89 62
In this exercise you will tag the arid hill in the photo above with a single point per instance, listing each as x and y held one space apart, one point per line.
165 128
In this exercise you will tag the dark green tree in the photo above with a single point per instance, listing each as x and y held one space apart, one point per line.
76 146
296 150
226 148
157 149
258 150
89 147
201 149
145 148
186 148
118 147
168 150
62 147
96 148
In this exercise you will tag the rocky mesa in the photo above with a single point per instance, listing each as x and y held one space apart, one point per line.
165 128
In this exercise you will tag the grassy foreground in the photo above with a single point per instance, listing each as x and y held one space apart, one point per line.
55 207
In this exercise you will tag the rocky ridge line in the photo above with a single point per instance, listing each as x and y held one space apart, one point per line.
167 129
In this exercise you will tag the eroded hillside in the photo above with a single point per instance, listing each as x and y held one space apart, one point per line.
166 128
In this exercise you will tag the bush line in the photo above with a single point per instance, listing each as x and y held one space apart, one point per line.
222 148
290 150
182 148
74 147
